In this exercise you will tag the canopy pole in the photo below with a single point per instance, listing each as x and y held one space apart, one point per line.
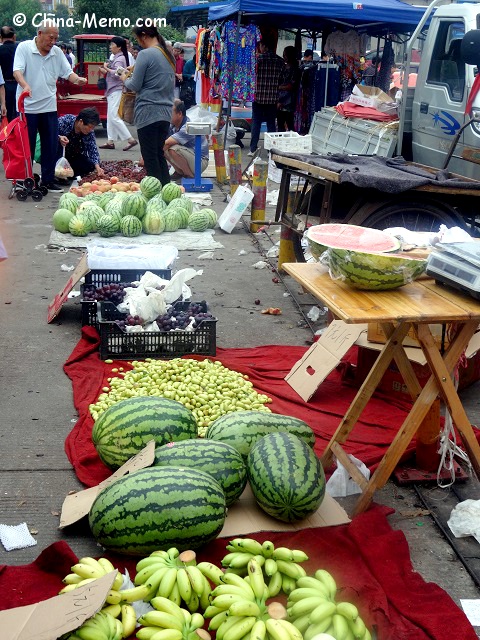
230 87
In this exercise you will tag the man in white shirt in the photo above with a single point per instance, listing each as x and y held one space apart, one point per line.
37 65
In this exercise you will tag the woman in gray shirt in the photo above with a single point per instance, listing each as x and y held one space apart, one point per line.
153 81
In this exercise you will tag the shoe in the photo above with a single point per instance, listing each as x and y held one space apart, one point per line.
130 145
53 187
176 176
107 146
250 154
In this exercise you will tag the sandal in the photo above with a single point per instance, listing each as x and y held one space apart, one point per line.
107 146
130 145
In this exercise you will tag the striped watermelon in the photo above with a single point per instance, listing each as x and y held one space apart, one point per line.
105 198
182 212
286 477
108 225
79 225
242 429
154 222
114 206
212 216
158 508
131 226
150 186
374 271
127 426
172 219
157 203
135 204
199 220
348 236
68 201
92 211
219 459
171 191
186 202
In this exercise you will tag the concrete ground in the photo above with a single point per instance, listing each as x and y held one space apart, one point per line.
36 410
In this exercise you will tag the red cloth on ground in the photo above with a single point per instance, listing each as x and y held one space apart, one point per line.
369 561
266 367
352 110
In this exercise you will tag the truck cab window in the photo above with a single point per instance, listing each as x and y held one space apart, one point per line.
446 67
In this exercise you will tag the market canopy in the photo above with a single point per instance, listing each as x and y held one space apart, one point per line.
285 13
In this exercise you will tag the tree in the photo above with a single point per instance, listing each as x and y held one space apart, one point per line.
32 10
66 32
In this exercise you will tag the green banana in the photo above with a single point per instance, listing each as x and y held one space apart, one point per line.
324 610
299 555
211 571
302 623
288 584
257 582
307 605
245 608
270 567
358 628
293 632
315 629
276 631
169 580
258 631
328 580
240 629
340 626
184 584
347 610
307 592
291 569
274 585
147 572
312 583
268 548
250 546
282 553
167 606
161 619
217 620
167 634
230 622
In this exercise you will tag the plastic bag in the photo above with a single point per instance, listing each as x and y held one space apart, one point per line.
63 168
341 485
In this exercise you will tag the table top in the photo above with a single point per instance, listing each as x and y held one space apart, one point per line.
421 301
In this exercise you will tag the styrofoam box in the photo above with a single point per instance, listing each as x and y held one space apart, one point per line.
235 209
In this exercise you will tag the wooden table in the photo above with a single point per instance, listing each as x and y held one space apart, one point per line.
415 305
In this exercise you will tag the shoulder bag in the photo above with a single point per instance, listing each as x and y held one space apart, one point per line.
127 106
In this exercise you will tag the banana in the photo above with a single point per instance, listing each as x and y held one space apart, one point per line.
91 633
113 609
71 587
293 632
299 555
274 585
196 621
244 608
134 594
150 561
168 581
194 603
118 582
288 584
167 634
324 610
240 629
72 578
187 616
268 548
106 565
250 546
315 629
153 582
257 582
235 544
358 627
226 600
260 560
291 569
211 571
230 622
313 583
160 553
196 579
270 567
282 553
307 592
367 635
211 611
234 590
302 623
147 572
173 553
239 560
110 623
304 606
340 627
328 581
205 595
184 584
162 619
167 606
145 633
119 633
276 631
230 578
93 562
67 589
258 631
113 597
87 571
129 620
347 610
175 595
217 620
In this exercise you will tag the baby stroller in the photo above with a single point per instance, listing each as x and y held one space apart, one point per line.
17 160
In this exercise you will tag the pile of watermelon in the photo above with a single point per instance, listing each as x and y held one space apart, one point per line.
363 258
152 209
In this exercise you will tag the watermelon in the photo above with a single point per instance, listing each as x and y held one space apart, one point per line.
114 206
158 508
127 426
135 204
150 186
105 198
61 220
108 226
212 216
286 477
131 226
199 220
348 236
171 191
156 203
92 211
186 202
172 219
242 429
68 201
153 223
374 271
181 211
219 459
79 225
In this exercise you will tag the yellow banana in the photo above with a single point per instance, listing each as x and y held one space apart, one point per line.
93 562
113 597
167 634
231 589
205 595
68 588
134 594
358 628
147 572
211 571
258 631
113 609
150 561
217 620
293 632
340 627
244 608
307 592
315 629
304 606
270 567
162 619
288 584
282 553
129 620
196 578
168 581
118 582
72 578
146 633
194 603
275 630
313 583
106 565
324 610
87 571
233 579
240 629
250 546
196 621
211 611
237 560
226 600
173 553
154 581
274 585
302 623
257 582
268 548
230 622
367 635
347 610
328 580
291 569
184 584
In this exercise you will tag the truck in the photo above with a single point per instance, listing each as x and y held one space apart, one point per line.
434 132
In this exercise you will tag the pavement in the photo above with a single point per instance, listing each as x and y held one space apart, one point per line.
36 410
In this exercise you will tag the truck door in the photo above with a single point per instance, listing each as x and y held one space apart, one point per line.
440 96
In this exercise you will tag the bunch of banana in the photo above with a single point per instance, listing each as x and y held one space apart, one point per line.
102 626
89 569
174 575
312 609
280 565
170 622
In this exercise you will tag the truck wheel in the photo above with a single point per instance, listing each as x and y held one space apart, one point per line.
415 216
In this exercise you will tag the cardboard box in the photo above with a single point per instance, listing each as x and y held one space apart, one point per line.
368 96
440 337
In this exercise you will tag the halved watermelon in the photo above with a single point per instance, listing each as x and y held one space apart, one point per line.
349 236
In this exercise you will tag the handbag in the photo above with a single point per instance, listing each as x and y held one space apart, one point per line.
127 106
102 83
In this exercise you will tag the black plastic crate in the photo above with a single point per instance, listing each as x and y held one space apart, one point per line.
118 344
100 277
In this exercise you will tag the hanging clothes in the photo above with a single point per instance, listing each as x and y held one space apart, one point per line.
385 72
306 98
243 76
347 49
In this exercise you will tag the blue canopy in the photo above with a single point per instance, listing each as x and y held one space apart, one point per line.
393 14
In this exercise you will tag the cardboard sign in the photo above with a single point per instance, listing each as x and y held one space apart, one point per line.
77 505
50 619
321 359
54 307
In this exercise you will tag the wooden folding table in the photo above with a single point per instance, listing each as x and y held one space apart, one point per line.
416 305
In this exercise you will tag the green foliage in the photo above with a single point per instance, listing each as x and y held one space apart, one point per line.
66 27
29 8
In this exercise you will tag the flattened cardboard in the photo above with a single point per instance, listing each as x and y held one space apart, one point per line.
80 270
50 619
323 356
77 505
245 517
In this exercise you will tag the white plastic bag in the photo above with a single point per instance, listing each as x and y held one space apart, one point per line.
341 485
116 256
63 168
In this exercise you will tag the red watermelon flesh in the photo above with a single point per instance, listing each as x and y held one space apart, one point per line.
349 236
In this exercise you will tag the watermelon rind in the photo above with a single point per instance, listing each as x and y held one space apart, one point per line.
349 236
61 219
286 477
373 271
157 508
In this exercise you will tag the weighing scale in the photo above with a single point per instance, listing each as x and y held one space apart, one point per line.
457 264
198 129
